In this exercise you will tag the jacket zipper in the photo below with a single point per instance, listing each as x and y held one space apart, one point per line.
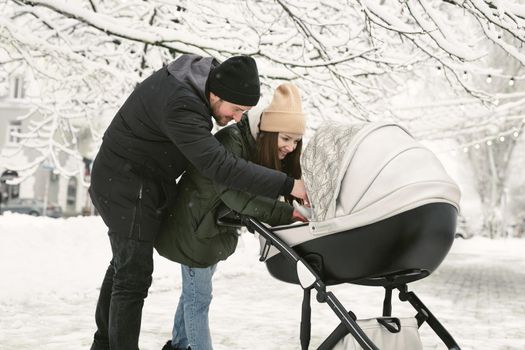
137 209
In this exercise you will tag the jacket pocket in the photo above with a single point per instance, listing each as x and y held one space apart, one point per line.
136 216
207 228
101 203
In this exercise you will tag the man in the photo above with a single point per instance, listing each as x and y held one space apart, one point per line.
164 125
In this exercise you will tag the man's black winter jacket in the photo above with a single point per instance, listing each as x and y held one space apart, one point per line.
164 125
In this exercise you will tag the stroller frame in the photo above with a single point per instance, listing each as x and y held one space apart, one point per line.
310 279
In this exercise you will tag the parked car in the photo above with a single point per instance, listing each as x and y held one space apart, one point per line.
31 206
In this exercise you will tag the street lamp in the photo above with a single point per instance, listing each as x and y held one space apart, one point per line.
51 168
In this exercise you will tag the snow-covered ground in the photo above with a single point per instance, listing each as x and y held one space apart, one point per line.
51 270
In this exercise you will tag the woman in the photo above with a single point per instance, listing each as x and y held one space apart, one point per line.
191 236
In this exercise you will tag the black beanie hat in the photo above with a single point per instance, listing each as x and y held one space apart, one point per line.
236 80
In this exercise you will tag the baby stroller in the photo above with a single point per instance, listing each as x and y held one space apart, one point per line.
383 214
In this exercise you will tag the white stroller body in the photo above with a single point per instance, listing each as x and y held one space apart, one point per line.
357 175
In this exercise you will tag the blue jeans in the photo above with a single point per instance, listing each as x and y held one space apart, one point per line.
191 327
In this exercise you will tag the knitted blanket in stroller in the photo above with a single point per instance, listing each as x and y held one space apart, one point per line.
358 174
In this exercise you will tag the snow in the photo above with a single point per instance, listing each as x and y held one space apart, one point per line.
51 270
384 14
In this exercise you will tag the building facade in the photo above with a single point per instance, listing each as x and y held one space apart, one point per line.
23 174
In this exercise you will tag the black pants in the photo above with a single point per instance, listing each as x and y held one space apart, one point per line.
125 286
131 205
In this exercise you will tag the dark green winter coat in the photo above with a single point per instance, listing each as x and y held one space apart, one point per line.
190 235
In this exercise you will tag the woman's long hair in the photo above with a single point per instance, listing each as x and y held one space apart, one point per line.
267 155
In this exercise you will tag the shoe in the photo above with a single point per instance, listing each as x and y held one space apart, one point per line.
168 346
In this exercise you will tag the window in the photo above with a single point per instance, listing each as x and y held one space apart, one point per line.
13 191
17 87
72 192
13 130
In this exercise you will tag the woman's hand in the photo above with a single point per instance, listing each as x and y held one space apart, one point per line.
303 210
296 216
299 191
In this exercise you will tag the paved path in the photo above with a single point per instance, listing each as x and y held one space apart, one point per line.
486 297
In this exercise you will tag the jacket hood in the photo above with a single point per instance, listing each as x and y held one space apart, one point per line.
193 71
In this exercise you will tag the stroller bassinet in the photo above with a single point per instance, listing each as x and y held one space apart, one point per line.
384 214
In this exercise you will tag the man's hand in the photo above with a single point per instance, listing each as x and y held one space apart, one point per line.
296 216
299 191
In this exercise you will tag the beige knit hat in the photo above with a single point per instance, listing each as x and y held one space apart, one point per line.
284 114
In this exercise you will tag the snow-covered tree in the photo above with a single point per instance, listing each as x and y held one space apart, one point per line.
348 57
485 134
493 145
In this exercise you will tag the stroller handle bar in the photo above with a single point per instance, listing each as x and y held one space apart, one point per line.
310 279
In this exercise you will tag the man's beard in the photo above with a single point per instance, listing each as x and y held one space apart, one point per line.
220 121
215 111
